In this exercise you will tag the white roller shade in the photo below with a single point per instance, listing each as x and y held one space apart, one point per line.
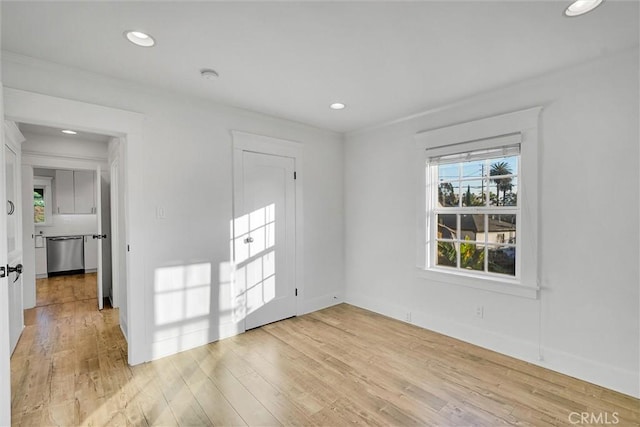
499 146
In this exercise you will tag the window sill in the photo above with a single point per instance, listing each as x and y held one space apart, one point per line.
509 287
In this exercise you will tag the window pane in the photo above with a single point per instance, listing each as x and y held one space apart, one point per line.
448 194
502 229
502 259
509 166
472 227
38 205
473 169
472 256
473 193
503 191
510 197
447 255
447 226
448 172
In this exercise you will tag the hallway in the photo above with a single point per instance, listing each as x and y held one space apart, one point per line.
71 358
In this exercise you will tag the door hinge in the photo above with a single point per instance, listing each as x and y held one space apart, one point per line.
296 291
128 248
3 272
295 175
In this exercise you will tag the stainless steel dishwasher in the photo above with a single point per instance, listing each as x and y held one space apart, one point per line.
65 255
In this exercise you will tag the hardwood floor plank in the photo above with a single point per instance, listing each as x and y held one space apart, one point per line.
338 366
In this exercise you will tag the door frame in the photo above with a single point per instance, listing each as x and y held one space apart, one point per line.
114 191
28 107
245 141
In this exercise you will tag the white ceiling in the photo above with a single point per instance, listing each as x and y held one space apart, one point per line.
385 60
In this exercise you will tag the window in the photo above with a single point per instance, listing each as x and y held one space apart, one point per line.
475 215
478 204
42 200
38 206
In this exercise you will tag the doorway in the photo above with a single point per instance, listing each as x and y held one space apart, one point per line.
67 217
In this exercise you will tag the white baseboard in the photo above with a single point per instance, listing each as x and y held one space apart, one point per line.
609 376
230 329
324 301
179 343
605 375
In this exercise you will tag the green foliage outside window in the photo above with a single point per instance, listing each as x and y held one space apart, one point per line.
38 206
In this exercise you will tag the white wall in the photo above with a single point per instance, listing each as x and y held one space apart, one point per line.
185 165
586 323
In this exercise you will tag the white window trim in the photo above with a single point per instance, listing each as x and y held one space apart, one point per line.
525 123
45 182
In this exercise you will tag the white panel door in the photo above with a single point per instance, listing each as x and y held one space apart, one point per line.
5 351
264 238
13 175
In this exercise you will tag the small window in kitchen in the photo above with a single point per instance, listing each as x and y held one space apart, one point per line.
42 201
38 206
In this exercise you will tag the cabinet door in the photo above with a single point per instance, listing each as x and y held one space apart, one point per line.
84 192
41 262
90 253
64 192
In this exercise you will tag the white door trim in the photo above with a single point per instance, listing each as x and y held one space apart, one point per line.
115 233
34 108
244 141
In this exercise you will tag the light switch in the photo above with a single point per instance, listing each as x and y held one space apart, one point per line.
160 212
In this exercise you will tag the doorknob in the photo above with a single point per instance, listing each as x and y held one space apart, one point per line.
16 269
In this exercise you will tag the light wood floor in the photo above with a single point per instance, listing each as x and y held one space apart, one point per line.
339 366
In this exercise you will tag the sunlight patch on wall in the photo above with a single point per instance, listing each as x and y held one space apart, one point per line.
249 282
181 299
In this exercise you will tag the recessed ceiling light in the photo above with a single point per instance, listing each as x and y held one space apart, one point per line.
337 106
209 74
70 132
139 38
580 7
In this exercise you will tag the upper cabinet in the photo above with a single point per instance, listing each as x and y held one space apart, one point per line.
64 192
84 192
75 192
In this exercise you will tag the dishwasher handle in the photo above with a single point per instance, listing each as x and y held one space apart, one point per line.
55 239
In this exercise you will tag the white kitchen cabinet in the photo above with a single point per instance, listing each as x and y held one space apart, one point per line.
90 254
75 192
84 192
64 192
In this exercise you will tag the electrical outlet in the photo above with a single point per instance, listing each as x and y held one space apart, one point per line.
408 317
479 311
